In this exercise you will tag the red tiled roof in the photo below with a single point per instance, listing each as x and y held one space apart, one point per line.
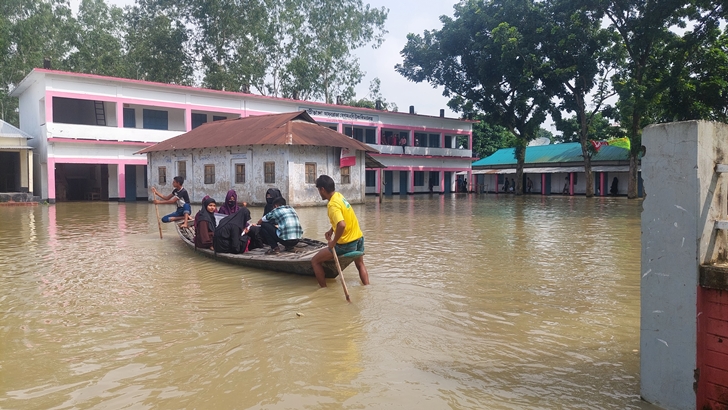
296 128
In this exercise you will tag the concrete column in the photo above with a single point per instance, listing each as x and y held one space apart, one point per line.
188 119
120 115
51 180
685 198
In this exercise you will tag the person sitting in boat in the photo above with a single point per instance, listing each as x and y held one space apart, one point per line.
281 225
229 234
178 196
205 224
231 204
270 196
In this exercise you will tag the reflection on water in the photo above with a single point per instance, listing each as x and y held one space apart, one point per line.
475 302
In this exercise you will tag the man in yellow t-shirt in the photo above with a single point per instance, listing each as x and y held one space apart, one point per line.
344 236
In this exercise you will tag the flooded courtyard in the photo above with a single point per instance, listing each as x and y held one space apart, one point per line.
475 302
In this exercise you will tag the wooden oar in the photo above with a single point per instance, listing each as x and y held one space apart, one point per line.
156 208
341 275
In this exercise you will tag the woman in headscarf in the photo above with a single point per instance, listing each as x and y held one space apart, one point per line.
229 231
270 195
205 224
231 204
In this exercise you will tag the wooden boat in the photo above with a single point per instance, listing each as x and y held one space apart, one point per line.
298 262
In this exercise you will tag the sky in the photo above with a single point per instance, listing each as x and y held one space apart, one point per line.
405 16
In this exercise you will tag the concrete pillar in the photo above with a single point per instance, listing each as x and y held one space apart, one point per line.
685 198
119 115
51 180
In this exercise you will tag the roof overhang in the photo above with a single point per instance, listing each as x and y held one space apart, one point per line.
370 162
549 170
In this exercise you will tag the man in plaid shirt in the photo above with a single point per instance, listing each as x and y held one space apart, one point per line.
281 225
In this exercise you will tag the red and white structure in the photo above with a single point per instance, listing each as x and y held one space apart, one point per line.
87 128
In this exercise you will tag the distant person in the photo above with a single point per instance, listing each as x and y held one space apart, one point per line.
432 184
529 184
178 196
513 185
505 185
344 236
231 204
281 225
614 189
403 143
205 224
465 185
565 191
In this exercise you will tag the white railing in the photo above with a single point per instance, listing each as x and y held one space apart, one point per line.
442 152
97 132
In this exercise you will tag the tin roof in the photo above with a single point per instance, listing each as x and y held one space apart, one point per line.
551 154
296 128
9 131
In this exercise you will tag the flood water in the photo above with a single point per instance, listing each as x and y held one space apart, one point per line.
475 302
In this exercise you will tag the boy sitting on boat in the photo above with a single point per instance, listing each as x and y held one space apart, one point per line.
178 196
281 225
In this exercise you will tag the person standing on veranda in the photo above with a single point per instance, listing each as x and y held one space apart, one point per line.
344 236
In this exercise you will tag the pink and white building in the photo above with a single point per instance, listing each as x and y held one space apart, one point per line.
87 129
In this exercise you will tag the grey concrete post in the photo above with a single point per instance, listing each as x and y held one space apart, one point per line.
684 197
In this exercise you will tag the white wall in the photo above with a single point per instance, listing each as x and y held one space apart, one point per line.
685 198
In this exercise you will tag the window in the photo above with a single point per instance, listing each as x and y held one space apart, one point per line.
310 172
370 136
239 173
334 127
435 178
129 118
182 169
270 172
462 142
218 118
420 139
209 174
371 177
419 178
448 141
346 175
162 175
198 119
434 141
155 120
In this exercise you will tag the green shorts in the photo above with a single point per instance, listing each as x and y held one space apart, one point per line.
357 245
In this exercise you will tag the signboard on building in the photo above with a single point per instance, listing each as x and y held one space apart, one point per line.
348 158
340 115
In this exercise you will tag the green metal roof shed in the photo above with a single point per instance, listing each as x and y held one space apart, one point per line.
554 155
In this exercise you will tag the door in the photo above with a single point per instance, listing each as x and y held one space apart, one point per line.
388 182
448 182
130 182
403 180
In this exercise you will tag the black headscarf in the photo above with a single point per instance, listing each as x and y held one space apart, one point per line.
204 215
239 219
274 193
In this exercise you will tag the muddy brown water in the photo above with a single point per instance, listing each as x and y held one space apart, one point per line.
476 302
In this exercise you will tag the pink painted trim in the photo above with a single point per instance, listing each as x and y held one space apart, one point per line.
51 163
48 111
85 141
420 156
188 119
601 184
108 161
237 94
411 168
121 179
571 183
543 184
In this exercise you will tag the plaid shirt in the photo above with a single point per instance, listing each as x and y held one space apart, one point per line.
289 227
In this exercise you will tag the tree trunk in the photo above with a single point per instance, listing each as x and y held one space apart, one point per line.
589 177
632 186
521 158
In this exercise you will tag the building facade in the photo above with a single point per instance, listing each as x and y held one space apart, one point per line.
252 154
16 159
555 169
87 129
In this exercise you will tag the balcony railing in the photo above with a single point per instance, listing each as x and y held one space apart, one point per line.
95 132
439 152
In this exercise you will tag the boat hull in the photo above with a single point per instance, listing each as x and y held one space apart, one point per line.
298 262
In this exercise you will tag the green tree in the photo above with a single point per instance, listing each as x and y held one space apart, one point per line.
375 96
31 31
600 129
156 46
644 29
580 60
489 60
96 40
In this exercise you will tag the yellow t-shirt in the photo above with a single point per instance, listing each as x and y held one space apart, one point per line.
340 210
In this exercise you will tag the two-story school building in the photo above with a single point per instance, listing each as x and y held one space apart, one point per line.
87 128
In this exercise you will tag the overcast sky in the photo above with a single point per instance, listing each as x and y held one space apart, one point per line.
405 16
